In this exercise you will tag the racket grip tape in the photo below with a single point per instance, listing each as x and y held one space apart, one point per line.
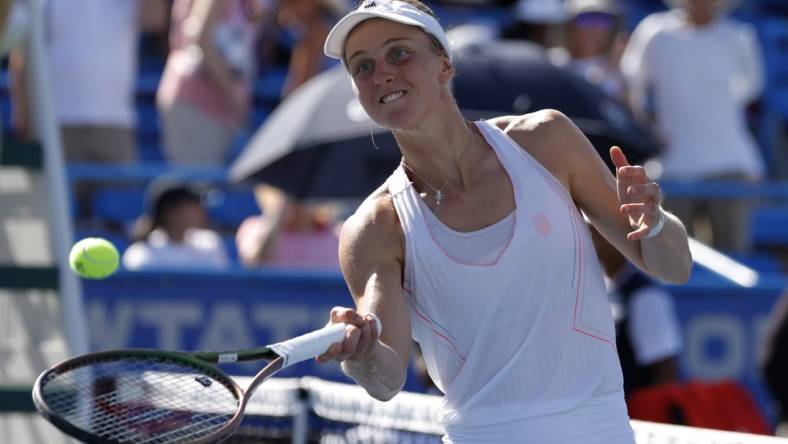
309 345
314 343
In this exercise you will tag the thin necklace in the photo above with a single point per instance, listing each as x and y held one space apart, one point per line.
439 191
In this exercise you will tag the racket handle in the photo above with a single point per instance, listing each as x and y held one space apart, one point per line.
314 343
309 345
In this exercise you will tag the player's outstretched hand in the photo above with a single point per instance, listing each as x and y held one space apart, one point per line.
360 336
639 196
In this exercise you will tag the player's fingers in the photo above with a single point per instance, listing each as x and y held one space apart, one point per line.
346 315
633 209
330 354
632 173
647 192
618 157
648 210
364 341
350 344
639 233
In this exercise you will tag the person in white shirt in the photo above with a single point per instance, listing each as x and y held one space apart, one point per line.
91 50
174 233
476 248
702 70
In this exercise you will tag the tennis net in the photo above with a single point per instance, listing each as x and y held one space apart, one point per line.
313 411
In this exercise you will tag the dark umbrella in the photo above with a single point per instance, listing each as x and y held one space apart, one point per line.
317 143
515 77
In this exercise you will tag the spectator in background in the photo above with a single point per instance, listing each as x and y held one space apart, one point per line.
14 19
205 91
174 233
594 43
703 70
91 47
648 337
537 21
309 21
289 233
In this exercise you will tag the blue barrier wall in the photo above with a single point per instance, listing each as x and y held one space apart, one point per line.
723 325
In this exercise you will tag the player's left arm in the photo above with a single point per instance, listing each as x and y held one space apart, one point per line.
624 208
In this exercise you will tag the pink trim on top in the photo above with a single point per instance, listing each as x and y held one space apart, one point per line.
515 192
564 195
579 295
426 319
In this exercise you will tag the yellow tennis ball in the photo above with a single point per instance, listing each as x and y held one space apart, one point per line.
94 258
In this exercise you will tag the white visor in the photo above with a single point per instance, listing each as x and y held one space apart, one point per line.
393 10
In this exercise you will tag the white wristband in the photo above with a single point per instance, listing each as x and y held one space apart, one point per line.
656 229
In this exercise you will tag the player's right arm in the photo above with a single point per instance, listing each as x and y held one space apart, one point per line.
371 253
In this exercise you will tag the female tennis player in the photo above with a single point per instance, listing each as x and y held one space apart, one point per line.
476 248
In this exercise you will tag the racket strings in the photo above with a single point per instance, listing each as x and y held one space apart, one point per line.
140 399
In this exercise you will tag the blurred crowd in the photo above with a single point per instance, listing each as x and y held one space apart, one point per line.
691 71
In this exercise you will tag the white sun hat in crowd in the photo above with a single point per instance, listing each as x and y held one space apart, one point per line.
540 11
393 10
577 7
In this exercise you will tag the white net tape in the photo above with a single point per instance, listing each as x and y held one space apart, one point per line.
414 412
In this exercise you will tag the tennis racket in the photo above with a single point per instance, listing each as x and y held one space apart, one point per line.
160 397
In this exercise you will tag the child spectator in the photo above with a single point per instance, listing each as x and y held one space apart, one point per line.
174 233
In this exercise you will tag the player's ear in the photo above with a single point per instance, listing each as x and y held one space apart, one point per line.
447 69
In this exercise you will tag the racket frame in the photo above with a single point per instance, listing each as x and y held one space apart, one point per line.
280 355
189 359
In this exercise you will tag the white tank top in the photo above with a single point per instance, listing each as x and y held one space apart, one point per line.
525 333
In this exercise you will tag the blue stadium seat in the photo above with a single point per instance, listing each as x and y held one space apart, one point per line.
257 117
769 227
5 80
5 113
147 119
269 84
148 132
228 207
147 83
119 206
229 245
774 39
149 149
773 34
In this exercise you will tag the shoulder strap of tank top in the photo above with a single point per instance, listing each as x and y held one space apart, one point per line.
405 200
513 156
